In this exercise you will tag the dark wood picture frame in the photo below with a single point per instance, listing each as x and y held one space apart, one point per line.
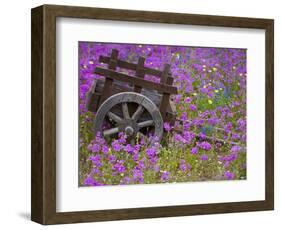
43 188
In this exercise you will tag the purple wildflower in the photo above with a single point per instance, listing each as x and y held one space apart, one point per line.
183 116
165 176
213 121
187 100
122 138
104 149
136 157
177 98
150 152
89 181
156 168
204 157
129 149
126 180
235 149
188 137
99 140
116 146
167 127
119 167
194 150
96 159
138 175
136 148
205 145
112 159
229 175
192 107
183 166
141 164
198 122
95 148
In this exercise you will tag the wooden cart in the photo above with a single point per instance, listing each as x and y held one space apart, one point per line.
131 104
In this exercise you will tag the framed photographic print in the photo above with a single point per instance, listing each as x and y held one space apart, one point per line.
139 114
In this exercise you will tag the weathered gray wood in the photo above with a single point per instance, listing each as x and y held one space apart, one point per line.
109 74
107 91
132 66
138 112
130 125
119 87
145 123
92 97
166 96
125 111
140 72
164 75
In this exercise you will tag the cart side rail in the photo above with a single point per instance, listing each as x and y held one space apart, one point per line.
160 87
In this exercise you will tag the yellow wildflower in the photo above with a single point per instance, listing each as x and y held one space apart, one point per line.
210 101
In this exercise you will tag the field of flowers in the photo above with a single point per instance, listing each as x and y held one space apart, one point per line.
208 140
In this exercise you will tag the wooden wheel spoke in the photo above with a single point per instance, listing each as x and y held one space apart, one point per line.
125 111
114 117
145 123
112 131
138 113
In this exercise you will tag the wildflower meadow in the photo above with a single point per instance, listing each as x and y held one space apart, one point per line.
207 141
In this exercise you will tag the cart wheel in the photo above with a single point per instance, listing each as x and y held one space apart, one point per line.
130 113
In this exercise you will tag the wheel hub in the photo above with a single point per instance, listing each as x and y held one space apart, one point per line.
129 130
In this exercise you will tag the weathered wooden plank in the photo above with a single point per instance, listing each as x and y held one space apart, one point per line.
166 96
163 105
164 75
170 81
170 117
93 101
140 73
119 87
113 59
132 66
163 88
107 91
